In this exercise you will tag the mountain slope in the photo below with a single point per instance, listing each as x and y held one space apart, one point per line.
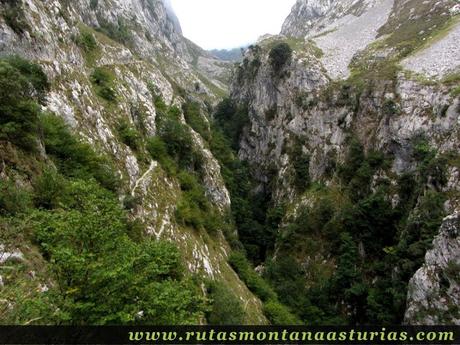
123 77
360 153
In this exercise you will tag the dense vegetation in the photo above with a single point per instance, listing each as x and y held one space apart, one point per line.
104 270
368 249
101 268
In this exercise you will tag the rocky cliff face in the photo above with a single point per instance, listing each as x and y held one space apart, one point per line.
434 290
311 17
354 73
139 44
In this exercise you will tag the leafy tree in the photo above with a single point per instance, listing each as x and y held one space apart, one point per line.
13 199
232 120
301 165
280 55
226 308
104 276
21 88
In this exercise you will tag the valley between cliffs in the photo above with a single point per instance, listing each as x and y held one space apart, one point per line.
145 181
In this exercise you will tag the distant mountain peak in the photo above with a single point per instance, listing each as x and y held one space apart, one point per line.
313 15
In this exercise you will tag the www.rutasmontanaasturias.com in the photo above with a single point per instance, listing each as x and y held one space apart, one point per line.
285 335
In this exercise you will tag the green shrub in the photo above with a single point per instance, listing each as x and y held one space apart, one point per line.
280 55
129 135
87 41
106 277
278 314
49 189
13 199
301 165
159 152
231 119
194 208
119 32
178 141
103 79
22 86
254 282
193 116
226 308
353 161
34 75
74 158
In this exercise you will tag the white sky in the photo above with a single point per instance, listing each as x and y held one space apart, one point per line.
230 23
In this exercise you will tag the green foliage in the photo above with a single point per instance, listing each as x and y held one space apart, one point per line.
256 227
87 41
73 158
287 278
195 119
158 151
103 79
22 86
49 189
129 135
452 271
194 209
419 231
119 32
279 314
301 164
178 140
231 119
105 277
13 199
254 282
390 108
276 312
353 161
431 168
103 269
22 303
280 55
226 308
34 75
358 169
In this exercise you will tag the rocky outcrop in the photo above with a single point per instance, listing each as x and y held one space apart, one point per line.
311 17
303 104
434 291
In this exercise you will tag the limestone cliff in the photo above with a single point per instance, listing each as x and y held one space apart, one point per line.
139 44
384 73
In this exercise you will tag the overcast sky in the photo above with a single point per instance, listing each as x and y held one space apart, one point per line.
230 23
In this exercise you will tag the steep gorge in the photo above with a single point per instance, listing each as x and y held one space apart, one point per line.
356 141
330 166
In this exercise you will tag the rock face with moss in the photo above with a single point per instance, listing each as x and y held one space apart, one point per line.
355 74
121 75
435 289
